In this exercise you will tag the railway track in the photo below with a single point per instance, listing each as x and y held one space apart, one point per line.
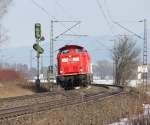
70 98
12 102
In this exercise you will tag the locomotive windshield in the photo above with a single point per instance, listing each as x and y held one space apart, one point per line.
65 51
78 50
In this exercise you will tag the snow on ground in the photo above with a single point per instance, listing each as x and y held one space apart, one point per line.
125 121
132 83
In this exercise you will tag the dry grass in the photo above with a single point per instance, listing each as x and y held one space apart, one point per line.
13 88
11 82
93 113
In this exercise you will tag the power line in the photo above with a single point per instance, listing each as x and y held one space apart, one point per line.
63 9
42 8
104 15
108 11
47 13
102 44
128 30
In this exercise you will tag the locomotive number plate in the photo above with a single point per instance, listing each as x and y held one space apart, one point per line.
74 59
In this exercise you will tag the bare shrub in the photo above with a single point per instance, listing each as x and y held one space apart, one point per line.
3 10
10 75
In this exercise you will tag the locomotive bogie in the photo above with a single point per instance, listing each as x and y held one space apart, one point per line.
74 80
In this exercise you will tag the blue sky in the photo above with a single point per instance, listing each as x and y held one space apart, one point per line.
23 14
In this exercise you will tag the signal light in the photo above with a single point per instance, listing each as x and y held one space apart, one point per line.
37 30
37 48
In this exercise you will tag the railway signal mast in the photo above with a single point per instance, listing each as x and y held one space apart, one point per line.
39 49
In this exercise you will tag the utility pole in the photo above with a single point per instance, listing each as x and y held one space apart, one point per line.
51 67
145 54
31 59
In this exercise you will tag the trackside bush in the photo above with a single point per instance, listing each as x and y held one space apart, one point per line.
10 75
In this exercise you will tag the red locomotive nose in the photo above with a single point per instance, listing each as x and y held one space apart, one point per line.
73 62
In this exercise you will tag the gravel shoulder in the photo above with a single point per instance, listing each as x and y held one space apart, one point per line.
12 89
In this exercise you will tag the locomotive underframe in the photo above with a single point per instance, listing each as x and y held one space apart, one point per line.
73 80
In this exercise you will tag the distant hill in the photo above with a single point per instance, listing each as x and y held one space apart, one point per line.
98 47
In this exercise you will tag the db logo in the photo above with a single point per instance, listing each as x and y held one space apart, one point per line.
70 59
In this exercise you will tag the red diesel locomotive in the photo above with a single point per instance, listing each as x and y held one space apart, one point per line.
74 67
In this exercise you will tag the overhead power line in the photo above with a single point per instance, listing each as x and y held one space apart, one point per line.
103 45
42 8
104 15
63 9
108 11
128 30
47 13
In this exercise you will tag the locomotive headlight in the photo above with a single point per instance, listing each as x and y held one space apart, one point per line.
81 70
61 71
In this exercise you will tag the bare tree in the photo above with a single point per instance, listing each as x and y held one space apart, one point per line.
3 10
4 7
125 56
103 68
